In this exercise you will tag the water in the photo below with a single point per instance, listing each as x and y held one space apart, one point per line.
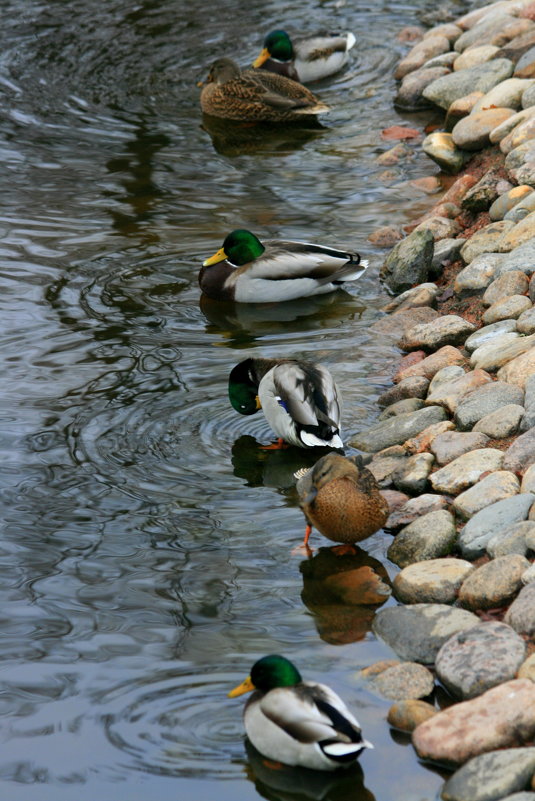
146 547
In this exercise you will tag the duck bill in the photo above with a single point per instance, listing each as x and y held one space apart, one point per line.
264 55
219 256
245 687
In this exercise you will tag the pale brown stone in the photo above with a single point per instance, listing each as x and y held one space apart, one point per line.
432 363
519 369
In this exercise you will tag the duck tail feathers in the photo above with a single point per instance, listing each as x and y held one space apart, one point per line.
312 441
351 41
318 108
350 272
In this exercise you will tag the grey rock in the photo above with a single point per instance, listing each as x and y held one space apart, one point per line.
529 404
521 258
475 535
404 681
421 295
528 480
502 423
414 387
451 394
485 192
393 326
521 614
525 323
432 581
451 87
446 250
414 508
483 31
465 470
402 407
486 240
528 98
479 658
511 540
412 476
429 537
506 309
384 463
479 273
521 453
447 330
518 155
514 282
417 632
488 490
444 376
488 332
490 355
522 208
410 94
452 444
398 429
491 776
485 400
409 261
495 583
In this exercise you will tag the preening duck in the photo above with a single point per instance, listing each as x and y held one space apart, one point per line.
307 58
247 270
341 498
298 722
299 399
255 96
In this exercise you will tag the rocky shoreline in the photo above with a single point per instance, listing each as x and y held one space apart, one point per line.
454 447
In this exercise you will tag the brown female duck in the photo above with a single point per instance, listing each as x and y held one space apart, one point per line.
255 95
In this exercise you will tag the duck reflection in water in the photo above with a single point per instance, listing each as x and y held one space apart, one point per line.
262 467
232 138
278 782
343 593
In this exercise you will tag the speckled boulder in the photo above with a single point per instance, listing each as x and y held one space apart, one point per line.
521 614
485 400
482 78
428 537
432 581
403 681
475 535
406 715
408 262
502 423
473 132
491 776
493 584
464 471
488 490
488 333
486 240
447 330
514 282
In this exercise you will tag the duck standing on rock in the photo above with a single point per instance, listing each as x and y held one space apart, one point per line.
341 498
305 59
255 96
299 399
247 270
298 722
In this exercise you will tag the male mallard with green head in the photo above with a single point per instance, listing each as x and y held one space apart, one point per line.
298 722
307 58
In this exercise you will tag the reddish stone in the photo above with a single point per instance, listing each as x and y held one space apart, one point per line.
400 132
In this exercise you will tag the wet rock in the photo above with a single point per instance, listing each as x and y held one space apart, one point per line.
414 508
396 430
482 78
406 715
486 399
452 444
464 471
417 632
521 614
475 56
473 132
488 490
410 94
502 423
511 540
525 324
404 681
447 330
452 393
506 309
394 154
429 537
499 516
518 370
521 453
479 273
376 668
421 295
409 261
427 48
471 662
429 366
441 148
514 282
493 584
500 718
432 581
412 476
486 240
401 407
494 354
395 325
411 387
385 237
506 202
489 332
491 776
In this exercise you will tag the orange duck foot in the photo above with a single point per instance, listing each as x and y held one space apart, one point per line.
279 445
344 550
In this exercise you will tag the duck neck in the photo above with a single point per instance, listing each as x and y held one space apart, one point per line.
213 281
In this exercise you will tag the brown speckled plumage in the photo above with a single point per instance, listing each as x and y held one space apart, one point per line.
341 498
255 95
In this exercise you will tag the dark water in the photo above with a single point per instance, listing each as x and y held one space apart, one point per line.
146 543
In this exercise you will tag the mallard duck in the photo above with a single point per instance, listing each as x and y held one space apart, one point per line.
341 498
249 271
307 58
298 722
299 400
255 96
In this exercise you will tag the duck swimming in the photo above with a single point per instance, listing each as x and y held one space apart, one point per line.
305 59
255 96
298 722
247 270
299 399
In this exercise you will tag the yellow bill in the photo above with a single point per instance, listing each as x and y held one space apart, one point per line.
264 55
219 256
245 687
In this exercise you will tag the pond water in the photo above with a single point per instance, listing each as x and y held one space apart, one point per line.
146 541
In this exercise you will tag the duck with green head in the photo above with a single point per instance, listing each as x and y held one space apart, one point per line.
307 58
299 399
247 270
298 722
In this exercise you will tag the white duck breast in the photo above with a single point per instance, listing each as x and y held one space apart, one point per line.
318 56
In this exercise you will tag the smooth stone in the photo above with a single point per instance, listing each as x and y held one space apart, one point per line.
429 366
442 60
499 516
448 29
514 282
528 482
486 240
528 98
523 207
422 441
484 193
406 715
442 227
528 577
431 581
397 429
461 108
482 78
412 476
475 56
384 463
483 31
408 680
450 394
473 132
408 262
512 540
506 309
527 669
410 94
529 404
417 632
488 490
509 205
521 133
525 66
441 148
488 333
471 662
525 175
414 508
427 48
491 776
411 387
446 250
502 423
452 444
516 157
471 18
524 230
494 354
429 537
447 330
518 370
479 273
444 376
521 453
507 94
465 470
394 325
525 324
493 584
508 125
500 718
484 400
401 407
421 295
521 614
